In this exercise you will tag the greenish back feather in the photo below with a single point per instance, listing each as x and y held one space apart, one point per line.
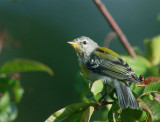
108 51
108 63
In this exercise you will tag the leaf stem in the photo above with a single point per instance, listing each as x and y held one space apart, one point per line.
142 95
141 85
115 27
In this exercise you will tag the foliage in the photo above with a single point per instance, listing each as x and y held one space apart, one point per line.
79 111
158 18
22 65
11 91
146 64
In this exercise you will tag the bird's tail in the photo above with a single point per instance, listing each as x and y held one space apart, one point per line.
125 96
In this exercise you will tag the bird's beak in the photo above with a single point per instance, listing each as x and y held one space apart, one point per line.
74 44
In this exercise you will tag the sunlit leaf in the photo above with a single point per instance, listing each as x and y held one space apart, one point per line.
150 96
152 50
97 96
87 114
9 114
18 93
97 87
68 111
4 101
23 65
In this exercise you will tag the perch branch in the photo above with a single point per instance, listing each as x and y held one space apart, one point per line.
115 27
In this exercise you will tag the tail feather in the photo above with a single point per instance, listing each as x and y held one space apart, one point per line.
123 102
125 96
132 101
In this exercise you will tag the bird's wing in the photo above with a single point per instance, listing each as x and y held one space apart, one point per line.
108 63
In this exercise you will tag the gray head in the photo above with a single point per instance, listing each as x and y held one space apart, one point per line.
84 45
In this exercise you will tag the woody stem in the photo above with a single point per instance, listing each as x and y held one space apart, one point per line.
115 27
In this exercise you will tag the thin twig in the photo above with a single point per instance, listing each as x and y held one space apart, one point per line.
115 27
141 85
114 118
103 103
102 97
141 96
147 117
108 38
147 108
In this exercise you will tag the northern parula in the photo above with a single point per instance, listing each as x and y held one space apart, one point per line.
101 63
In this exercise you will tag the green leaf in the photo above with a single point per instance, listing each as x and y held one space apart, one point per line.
152 71
18 93
87 114
68 111
114 113
76 117
152 50
97 96
136 90
138 51
133 115
9 114
23 65
97 87
11 85
4 101
158 18
153 87
139 65
152 106
150 96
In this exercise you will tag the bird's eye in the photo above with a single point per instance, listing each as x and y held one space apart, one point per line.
84 42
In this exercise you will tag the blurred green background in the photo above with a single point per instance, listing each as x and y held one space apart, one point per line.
39 30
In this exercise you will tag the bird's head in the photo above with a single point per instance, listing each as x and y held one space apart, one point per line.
84 45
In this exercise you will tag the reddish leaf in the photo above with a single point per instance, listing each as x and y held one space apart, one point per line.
151 79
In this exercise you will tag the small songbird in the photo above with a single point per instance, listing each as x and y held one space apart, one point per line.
101 63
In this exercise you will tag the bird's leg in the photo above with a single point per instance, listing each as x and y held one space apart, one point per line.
121 110
105 93
103 96
103 101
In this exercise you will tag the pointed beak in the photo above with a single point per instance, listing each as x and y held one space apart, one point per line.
72 43
75 45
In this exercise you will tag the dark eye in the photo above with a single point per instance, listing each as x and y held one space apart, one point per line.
84 42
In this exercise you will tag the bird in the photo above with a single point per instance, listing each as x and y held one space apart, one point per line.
101 63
